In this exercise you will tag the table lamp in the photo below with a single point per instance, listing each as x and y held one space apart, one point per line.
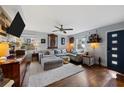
4 51
94 45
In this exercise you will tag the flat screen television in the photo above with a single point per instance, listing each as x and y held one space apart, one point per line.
17 26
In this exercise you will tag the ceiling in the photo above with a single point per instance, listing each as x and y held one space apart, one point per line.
82 18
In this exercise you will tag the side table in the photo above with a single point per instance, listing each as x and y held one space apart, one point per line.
35 56
87 59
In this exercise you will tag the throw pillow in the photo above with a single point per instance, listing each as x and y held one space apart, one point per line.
64 51
59 51
55 52
51 52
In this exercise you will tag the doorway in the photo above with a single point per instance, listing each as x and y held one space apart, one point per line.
115 51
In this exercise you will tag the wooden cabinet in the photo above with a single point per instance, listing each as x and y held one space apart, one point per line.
52 41
15 70
71 40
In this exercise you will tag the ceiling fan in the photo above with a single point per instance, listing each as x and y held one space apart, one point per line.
61 29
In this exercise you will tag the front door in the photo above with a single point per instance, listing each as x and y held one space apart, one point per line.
115 51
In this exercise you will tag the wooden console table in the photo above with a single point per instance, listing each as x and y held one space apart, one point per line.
15 69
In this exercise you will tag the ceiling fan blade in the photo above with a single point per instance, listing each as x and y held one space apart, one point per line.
64 32
55 30
68 29
57 27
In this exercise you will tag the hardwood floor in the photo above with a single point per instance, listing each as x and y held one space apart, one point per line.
94 76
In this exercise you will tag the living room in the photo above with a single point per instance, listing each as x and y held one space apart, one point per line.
63 41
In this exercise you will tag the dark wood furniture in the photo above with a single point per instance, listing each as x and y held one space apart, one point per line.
15 69
71 40
52 41
35 56
20 52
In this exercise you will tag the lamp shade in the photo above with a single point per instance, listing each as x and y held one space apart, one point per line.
94 45
4 49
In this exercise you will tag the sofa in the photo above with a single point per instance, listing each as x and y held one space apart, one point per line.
75 55
49 61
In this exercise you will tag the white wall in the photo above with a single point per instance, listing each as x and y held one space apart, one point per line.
40 35
102 31
60 46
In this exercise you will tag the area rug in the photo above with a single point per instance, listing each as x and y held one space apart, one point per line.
44 78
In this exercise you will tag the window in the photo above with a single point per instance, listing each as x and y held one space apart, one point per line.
81 43
114 48
114 62
114 42
114 35
114 55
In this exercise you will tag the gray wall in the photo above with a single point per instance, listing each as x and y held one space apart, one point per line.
102 31
41 35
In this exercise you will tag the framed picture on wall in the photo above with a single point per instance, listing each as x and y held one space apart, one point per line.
63 41
43 41
28 41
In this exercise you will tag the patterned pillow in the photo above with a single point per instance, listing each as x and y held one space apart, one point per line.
57 51
64 51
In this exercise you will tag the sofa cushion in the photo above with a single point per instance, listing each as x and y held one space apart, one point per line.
57 51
